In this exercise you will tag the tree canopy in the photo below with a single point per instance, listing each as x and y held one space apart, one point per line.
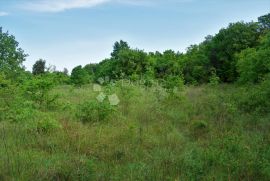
11 56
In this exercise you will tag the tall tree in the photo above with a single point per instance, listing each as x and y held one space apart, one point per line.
132 62
79 76
118 46
254 63
91 68
264 22
11 56
39 67
196 66
227 43
65 71
167 64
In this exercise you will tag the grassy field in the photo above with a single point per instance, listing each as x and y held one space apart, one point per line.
198 133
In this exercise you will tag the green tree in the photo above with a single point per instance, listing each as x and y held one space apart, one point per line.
117 47
132 62
107 68
264 22
79 76
65 71
168 63
227 43
38 90
254 64
11 56
91 70
39 67
196 64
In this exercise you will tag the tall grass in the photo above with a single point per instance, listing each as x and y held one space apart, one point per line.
198 133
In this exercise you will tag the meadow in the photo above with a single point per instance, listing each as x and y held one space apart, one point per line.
155 116
195 133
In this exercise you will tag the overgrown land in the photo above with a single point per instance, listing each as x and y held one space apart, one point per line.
199 115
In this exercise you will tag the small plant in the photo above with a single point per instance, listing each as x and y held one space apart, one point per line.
38 90
214 79
198 128
42 122
94 111
47 124
199 125
173 82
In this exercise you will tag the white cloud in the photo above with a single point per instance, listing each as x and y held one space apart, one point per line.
3 13
61 5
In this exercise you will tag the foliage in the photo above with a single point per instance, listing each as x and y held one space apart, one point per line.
168 64
11 56
94 111
106 68
173 82
253 64
164 131
214 79
264 22
199 124
118 47
91 70
227 43
79 76
46 123
39 67
7 96
255 98
38 90
196 64
132 62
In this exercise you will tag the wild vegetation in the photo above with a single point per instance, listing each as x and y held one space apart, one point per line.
199 115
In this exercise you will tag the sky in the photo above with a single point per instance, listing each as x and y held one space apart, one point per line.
67 33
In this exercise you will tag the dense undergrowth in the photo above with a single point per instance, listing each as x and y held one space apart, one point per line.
197 133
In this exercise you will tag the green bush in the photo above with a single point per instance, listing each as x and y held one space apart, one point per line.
8 93
79 76
255 98
214 79
94 111
47 124
254 63
41 122
173 82
21 111
38 90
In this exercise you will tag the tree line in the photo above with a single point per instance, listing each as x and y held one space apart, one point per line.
237 53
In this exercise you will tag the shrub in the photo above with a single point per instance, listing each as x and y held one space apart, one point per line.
253 65
47 124
38 90
94 111
42 122
8 93
255 98
79 76
20 111
172 83
214 79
